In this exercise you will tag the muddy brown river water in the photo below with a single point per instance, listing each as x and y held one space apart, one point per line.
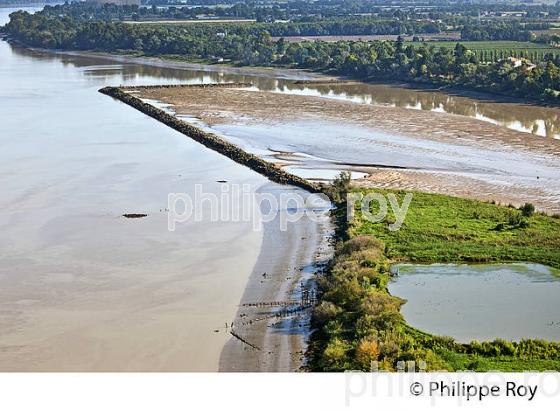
81 287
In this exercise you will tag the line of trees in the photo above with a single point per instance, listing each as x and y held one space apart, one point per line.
495 30
252 44
305 19
299 24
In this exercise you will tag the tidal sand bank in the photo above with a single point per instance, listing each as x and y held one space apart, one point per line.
398 147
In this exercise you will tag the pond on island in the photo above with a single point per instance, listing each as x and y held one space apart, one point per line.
481 302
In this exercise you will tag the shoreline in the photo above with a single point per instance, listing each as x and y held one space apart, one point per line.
270 72
302 76
271 328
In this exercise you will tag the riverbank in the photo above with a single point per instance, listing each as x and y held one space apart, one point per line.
272 325
304 75
301 76
173 63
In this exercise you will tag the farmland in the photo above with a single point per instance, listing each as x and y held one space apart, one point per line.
495 50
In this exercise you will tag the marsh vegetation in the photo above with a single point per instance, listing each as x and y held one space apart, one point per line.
359 322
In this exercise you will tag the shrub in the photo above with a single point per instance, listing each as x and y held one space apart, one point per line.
523 224
340 187
324 312
514 219
376 302
360 243
335 355
333 328
367 352
433 362
365 326
527 210
388 320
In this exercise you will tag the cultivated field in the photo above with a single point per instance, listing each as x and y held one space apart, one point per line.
198 21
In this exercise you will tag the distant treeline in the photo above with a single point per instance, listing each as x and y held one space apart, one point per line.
26 3
298 25
300 19
252 44
433 9
498 31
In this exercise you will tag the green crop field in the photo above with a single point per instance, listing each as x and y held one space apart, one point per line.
494 50
492 45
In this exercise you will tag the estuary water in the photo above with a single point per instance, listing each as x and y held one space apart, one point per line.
81 287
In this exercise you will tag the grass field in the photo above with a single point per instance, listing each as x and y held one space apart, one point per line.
491 51
440 228
193 21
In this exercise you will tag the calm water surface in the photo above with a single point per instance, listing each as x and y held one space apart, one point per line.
82 288
481 302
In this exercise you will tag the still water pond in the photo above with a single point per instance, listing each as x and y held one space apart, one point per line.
482 302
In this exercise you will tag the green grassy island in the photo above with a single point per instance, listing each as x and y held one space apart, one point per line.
359 321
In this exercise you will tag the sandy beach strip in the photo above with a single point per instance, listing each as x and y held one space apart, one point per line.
272 325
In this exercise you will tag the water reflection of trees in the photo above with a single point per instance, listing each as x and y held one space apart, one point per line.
107 68
506 114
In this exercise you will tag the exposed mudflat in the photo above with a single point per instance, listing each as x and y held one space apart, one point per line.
272 325
398 147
